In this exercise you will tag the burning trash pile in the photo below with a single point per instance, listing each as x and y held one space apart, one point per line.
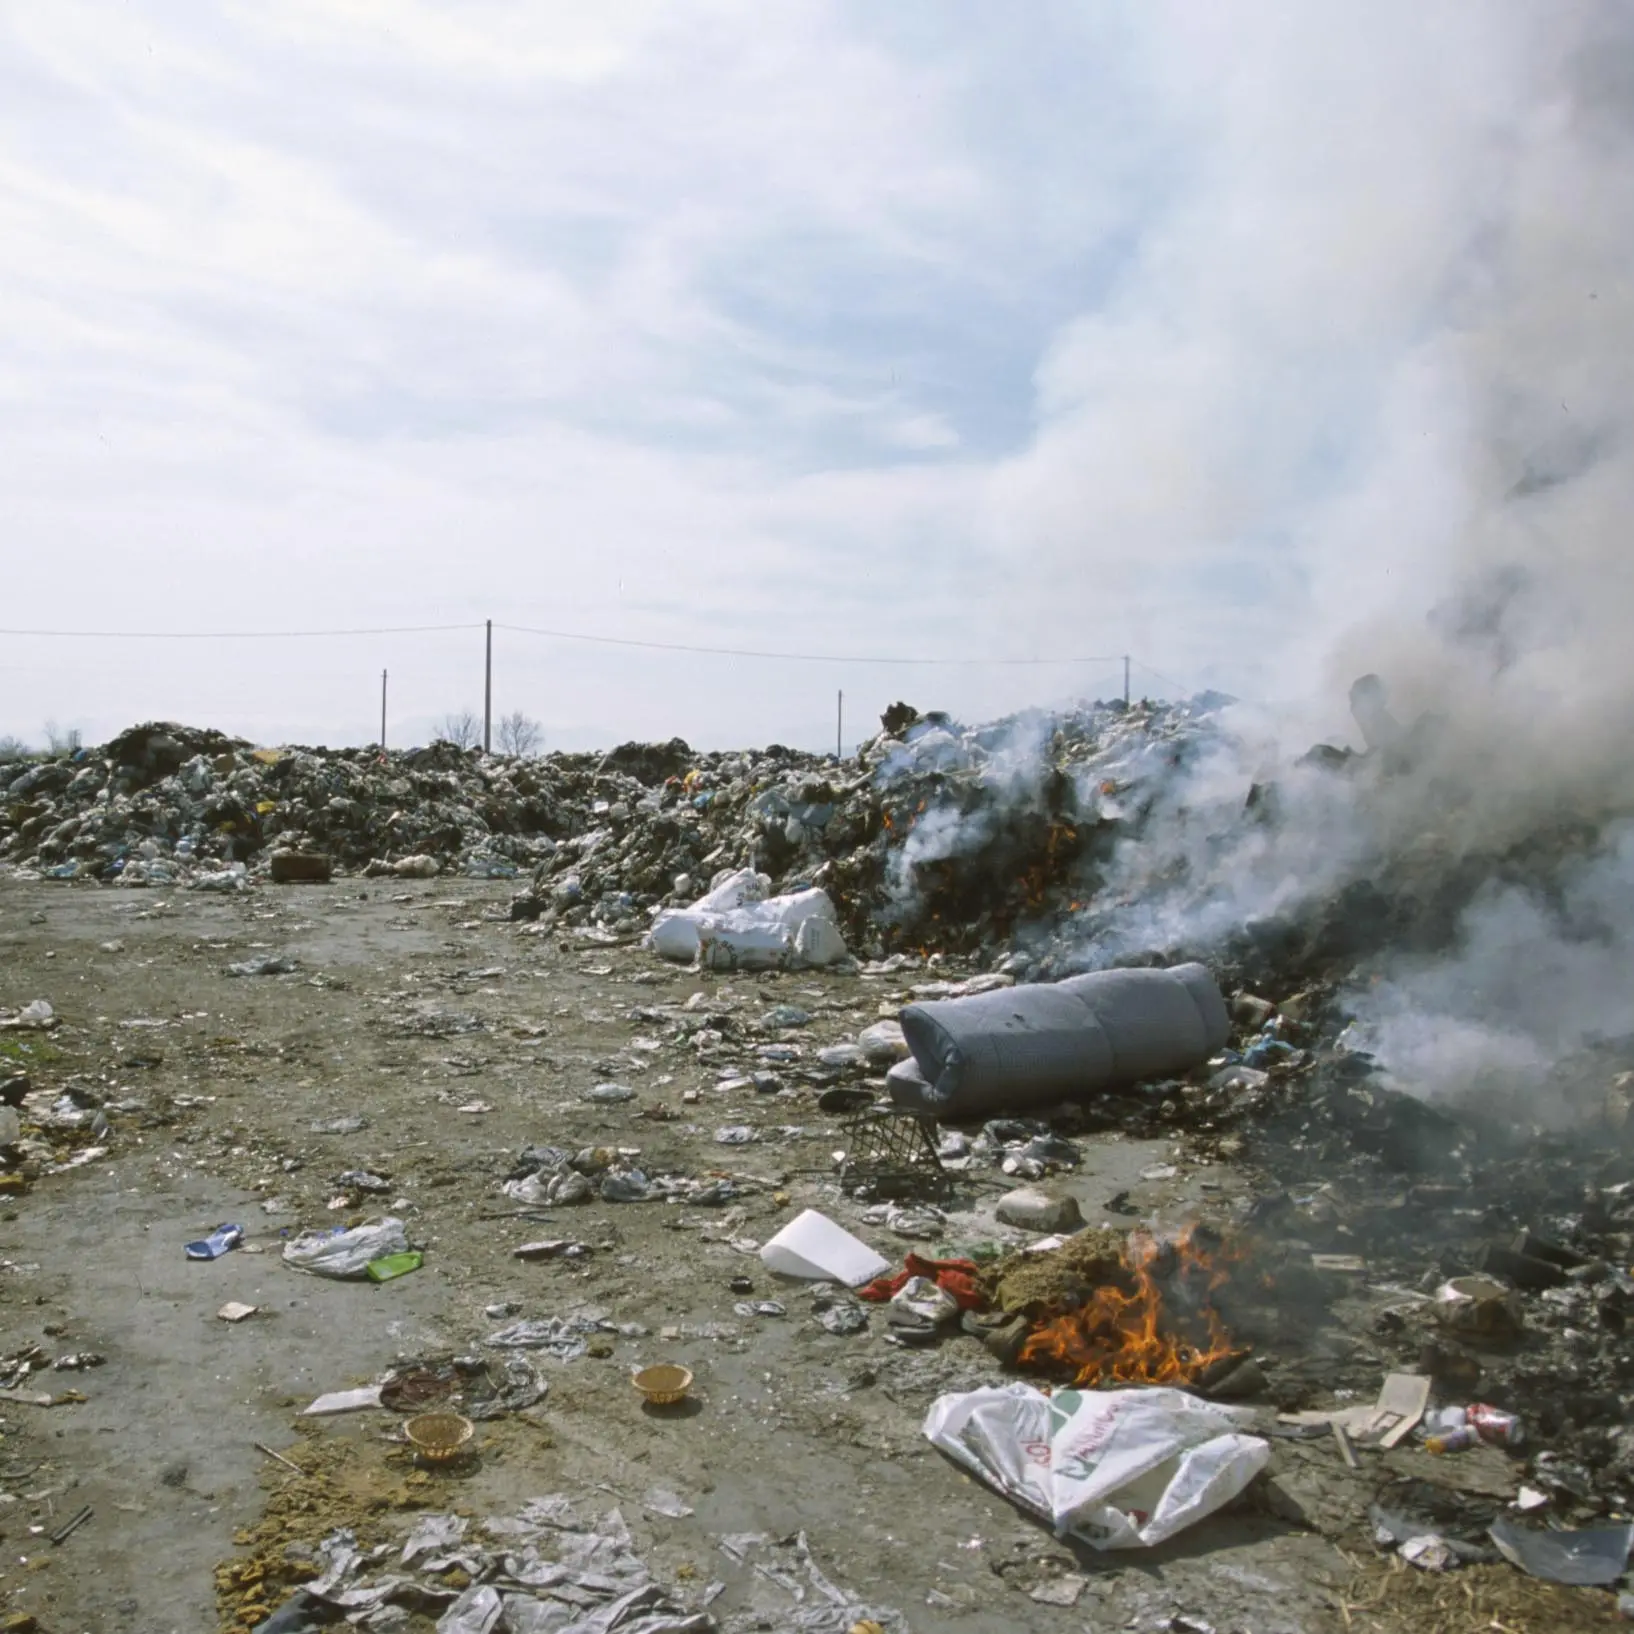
934 838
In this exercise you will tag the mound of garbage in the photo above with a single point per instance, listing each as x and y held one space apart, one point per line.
932 836
1039 846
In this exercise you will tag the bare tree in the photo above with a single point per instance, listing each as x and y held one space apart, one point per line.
13 749
520 734
463 730
63 742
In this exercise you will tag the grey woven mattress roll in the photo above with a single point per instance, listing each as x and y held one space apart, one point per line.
1027 1046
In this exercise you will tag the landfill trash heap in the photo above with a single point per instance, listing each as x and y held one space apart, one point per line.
1009 844
931 836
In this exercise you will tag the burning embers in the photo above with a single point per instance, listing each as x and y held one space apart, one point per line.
1147 1317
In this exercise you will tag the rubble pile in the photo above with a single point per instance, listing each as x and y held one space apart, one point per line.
165 804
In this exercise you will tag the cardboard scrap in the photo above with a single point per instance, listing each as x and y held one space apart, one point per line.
1402 1401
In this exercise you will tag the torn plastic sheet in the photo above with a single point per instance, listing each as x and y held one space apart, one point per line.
560 1336
524 1386
1121 1469
1590 1556
806 1601
431 1534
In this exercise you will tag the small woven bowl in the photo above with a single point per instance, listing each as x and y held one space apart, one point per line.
665 1384
439 1436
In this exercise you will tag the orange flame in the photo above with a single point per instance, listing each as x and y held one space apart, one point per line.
1128 1333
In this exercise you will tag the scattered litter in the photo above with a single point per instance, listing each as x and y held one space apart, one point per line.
553 1248
661 1501
737 926
1059 1591
63 1533
1016 1047
665 1384
232 1311
363 1180
37 1017
269 966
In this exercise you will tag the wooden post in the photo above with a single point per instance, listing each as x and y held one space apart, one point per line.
488 693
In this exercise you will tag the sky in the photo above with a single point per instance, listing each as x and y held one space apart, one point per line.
937 330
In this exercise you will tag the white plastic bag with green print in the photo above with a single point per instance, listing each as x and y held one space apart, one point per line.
1121 1469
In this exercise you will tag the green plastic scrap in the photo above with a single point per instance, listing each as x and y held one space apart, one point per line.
395 1265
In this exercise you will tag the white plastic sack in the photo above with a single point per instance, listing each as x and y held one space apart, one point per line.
1121 1469
346 1253
734 891
737 942
818 942
674 935
734 929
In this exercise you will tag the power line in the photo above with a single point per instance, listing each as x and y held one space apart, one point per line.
796 657
1167 680
895 660
231 634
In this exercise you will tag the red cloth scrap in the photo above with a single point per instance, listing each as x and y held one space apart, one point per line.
956 1277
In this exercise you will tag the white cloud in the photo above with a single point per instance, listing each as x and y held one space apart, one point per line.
807 327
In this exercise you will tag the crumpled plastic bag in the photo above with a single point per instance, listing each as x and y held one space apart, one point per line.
37 1016
346 1253
920 1297
1121 1469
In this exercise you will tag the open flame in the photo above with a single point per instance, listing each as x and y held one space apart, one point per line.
1155 1323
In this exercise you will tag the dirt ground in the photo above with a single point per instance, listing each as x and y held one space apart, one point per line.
460 1039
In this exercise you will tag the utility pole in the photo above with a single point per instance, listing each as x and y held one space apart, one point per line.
382 712
488 694
839 727
1126 680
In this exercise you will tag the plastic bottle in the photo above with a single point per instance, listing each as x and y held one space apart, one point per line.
1455 1440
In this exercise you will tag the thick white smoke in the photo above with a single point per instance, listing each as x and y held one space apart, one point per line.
1433 201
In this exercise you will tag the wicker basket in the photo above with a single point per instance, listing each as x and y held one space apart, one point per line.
439 1436
665 1384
